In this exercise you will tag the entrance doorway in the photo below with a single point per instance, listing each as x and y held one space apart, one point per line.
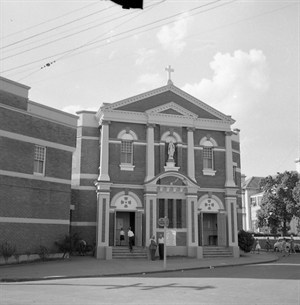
124 220
208 229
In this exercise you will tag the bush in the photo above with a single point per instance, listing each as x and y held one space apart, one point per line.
7 250
245 241
68 244
43 252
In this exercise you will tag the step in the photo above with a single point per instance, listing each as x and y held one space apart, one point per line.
124 253
216 252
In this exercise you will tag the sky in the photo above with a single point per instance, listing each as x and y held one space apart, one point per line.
240 57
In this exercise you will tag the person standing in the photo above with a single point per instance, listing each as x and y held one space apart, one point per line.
284 250
257 246
130 239
122 236
161 245
152 247
292 245
268 244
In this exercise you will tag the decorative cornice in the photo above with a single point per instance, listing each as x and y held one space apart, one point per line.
173 106
107 108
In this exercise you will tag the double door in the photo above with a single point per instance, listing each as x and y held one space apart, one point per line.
125 220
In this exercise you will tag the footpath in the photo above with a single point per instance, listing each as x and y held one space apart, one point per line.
86 266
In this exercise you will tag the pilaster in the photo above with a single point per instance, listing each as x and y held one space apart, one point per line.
229 164
150 153
190 152
192 221
104 152
150 209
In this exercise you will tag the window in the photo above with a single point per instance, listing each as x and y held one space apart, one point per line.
126 152
174 209
208 145
207 158
127 138
39 160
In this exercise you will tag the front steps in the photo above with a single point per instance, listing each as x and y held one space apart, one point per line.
122 252
214 251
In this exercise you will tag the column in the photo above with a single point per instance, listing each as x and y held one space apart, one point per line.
104 152
192 221
229 164
232 221
174 216
150 153
151 221
102 233
190 153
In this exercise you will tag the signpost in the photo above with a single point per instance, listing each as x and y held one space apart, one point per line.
164 222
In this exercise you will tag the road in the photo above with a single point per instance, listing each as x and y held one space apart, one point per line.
287 268
277 284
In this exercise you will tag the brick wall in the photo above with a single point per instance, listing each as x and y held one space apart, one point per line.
28 237
24 124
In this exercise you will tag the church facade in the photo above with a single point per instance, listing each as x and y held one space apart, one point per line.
159 154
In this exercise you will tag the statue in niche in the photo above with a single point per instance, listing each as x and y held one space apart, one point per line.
171 150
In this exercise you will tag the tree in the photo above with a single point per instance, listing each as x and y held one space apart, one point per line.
245 240
279 202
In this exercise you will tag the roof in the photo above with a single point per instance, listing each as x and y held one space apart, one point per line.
164 103
252 183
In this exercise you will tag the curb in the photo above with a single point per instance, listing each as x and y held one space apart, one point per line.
15 280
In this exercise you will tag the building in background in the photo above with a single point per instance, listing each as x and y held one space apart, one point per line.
160 153
251 201
36 148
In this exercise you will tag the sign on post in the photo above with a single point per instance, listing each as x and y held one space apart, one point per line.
164 222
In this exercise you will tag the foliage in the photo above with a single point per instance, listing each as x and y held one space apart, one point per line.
296 192
68 244
278 205
246 241
7 250
43 252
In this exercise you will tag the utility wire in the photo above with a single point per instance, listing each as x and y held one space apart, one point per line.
187 37
130 30
69 35
57 27
60 33
121 24
50 20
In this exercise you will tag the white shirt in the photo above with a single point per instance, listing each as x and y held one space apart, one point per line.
130 233
161 240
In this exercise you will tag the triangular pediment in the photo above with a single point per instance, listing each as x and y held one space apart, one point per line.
171 109
168 100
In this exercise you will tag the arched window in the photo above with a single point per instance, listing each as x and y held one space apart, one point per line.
126 158
208 145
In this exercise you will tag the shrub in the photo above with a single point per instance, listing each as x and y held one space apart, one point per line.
7 250
68 244
43 252
245 241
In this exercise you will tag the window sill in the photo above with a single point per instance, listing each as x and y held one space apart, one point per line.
127 167
208 172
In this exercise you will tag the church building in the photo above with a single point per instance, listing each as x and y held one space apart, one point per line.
159 154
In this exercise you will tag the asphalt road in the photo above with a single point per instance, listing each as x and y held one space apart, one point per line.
285 268
270 284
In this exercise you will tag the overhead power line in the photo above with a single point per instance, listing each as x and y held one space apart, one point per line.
57 27
131 30
67 36
50 20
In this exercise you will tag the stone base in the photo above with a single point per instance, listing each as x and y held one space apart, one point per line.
104 253
170 166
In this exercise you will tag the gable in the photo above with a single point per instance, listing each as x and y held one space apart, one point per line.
167 98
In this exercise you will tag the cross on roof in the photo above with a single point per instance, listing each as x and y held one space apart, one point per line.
169 70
